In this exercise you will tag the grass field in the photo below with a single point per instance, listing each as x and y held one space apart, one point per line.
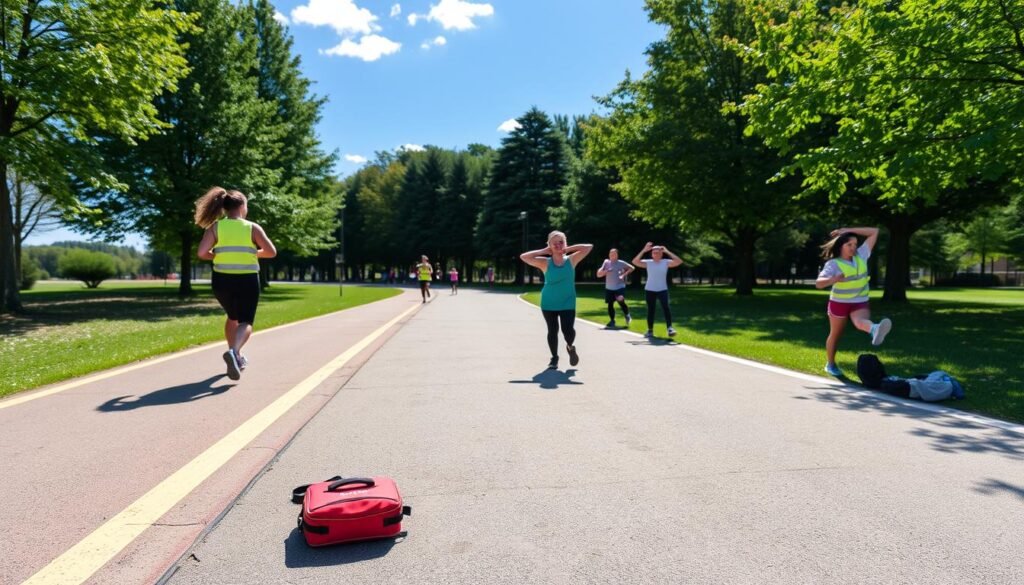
68 330
977 335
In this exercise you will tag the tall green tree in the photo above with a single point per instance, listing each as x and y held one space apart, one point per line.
68 65
526 181
923 99
684 159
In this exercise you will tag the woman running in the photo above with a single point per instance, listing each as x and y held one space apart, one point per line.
656 288
846 271
614 272
234 245
558 262
424 271
453 275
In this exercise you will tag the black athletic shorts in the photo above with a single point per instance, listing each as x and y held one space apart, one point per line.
609 295
238 294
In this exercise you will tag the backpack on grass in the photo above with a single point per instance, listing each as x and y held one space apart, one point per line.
870 370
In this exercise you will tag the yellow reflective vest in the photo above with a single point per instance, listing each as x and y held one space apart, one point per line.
235 252
855 283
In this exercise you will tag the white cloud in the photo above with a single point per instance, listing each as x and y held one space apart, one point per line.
355 158
280 18
342 15
369 48
457 14
412 18
411 147
436 42
396 10
509 125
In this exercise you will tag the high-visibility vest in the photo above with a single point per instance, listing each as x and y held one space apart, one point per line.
235 252
424 270
855 283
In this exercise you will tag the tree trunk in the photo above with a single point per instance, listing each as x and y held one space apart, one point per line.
897 266
9 278
744 246
185 287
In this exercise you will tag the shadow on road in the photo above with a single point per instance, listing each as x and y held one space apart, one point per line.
946 434
654 341
551 379
172 395
298 554
993 486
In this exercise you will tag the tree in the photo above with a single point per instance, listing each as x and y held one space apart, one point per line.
34 211
684 158
922 99
66 65
90 267
983 237
527 177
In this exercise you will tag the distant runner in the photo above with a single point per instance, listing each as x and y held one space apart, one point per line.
614 272
453 275
424 271
234 245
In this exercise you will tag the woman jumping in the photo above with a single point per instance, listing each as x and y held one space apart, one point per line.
846 271
558 262
234 245
656 288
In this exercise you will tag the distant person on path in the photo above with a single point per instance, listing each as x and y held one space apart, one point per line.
558 262
453 275
490 276
846 271
614 272
234 245
656 288
424 271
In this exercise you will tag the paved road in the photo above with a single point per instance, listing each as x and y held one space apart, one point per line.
648 463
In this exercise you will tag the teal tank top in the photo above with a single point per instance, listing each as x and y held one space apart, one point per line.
559 292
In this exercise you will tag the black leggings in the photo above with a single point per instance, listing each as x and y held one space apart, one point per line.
611 309
567 318
662 297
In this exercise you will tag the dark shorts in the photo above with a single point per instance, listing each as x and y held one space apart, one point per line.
238 294
843 310
610 296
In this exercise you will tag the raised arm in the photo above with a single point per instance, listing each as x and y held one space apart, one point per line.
537 258
675 260
870 233
603 270
638 259
577 252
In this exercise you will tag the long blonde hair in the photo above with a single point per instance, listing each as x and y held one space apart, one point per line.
214 203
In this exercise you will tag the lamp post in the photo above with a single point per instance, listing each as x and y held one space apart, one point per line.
525 218
340 258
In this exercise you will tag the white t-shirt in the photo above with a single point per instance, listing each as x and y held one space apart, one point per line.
832 269
657 275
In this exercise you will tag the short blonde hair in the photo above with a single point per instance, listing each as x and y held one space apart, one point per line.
557 233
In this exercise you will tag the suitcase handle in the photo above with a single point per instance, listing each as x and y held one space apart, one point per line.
349 481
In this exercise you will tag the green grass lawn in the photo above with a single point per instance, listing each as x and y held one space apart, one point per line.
977 335
68 330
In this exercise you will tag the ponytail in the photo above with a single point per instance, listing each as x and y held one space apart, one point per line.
212 205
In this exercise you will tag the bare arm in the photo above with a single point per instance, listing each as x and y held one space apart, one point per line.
638 259
577 252
537 258
602 271
206 244
675 260
871 233
266 247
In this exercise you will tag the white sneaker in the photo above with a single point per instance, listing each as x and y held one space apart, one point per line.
879 331
234 372
671 332
628 320
242 362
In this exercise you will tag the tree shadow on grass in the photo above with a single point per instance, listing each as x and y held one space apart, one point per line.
944 433
166 396
298 554
551 379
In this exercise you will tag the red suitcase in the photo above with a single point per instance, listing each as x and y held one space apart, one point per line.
350 509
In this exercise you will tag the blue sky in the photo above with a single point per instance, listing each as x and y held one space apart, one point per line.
450 72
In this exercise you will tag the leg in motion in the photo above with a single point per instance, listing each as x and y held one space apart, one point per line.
551 319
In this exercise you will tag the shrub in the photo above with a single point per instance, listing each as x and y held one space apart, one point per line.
90 267
29 272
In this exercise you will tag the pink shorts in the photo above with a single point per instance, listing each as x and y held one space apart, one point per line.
842 310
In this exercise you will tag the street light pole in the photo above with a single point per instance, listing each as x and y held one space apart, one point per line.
525 218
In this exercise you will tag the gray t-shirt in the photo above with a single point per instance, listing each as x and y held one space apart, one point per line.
832 269
657 275
613 280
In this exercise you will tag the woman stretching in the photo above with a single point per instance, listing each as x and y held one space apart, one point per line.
846 271
656 288
234 245
558 262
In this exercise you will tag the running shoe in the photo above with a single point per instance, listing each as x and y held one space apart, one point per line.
553 364
671 332
611 324
574 358
233 371
879 331
650 333
628 320
242 362
833 370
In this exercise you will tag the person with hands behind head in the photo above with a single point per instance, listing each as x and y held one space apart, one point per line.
558 262
656 288
235 246
846 271
614 271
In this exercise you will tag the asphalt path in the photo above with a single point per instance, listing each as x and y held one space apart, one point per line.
649 462
90 460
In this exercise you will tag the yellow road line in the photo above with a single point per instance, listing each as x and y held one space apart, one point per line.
85 558
29 396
